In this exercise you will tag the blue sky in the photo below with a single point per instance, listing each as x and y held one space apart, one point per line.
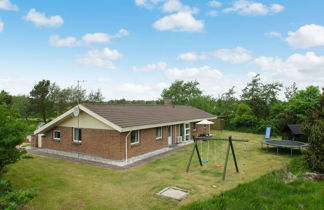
134 49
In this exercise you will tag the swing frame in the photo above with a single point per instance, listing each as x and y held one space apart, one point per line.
229 147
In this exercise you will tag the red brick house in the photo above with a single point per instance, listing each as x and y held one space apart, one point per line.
119 132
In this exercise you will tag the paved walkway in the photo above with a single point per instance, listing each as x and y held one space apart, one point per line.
39 152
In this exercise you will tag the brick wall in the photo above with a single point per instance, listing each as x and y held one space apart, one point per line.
99 142
147 143
109 143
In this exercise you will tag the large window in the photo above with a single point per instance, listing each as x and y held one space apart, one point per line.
135 137
159 133
56 135
77 137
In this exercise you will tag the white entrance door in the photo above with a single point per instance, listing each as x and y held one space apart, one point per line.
170 135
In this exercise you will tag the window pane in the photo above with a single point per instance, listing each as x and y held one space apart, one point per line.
134 136
77 134
158 132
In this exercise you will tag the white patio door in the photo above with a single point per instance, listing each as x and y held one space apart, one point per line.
186 131
170 135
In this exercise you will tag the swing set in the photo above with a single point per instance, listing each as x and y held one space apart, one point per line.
229 147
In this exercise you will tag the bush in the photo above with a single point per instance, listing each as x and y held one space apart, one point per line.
314 130
13 199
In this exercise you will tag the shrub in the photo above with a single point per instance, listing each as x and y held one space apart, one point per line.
314 130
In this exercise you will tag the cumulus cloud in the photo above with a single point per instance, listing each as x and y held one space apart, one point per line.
1 26
215 4
151 67
96 38
57 41
180 21
86 40
307 36
134 88
103 58
245 7
307 68
235 55
190 56
40 19
7 5
177 6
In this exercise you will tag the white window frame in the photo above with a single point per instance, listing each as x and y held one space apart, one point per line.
159 137
54 131
138 137
73 135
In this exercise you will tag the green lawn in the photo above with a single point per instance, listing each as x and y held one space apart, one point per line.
68 185
272 191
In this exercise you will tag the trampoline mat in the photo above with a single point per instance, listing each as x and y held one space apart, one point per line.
285 143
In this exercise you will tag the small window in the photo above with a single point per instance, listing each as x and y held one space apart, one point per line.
159 133
77 137
194 126
56 135
135 137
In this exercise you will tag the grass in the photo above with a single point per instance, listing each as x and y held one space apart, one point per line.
271 192
69 185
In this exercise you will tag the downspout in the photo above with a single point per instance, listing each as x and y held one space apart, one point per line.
126 145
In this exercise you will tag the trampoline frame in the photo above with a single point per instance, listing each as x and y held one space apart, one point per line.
282 143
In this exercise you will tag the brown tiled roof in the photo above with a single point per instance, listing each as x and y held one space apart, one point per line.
131 115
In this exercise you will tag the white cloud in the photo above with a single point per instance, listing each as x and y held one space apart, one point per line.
245 7
277 8
147 3
40 19
97 58
57 41
121 33
87 39
96 38
215 4
181 21
190 56
274 34
212 13
134 88
307 36
7 5
235 55
304 69
177 6
140 2
151 67
1 26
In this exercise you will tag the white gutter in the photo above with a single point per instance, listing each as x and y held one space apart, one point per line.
126 145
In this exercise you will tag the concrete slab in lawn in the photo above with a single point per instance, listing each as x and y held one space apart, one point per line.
174 193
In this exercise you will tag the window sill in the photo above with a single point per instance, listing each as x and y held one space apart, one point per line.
159 138
77 142
135 144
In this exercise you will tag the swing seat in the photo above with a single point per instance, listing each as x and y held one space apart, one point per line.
204 161
218 166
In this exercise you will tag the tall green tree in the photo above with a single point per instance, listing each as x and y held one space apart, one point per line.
95 97
181 92
5 98
314 130
12 133
40 102
259 96
21 103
